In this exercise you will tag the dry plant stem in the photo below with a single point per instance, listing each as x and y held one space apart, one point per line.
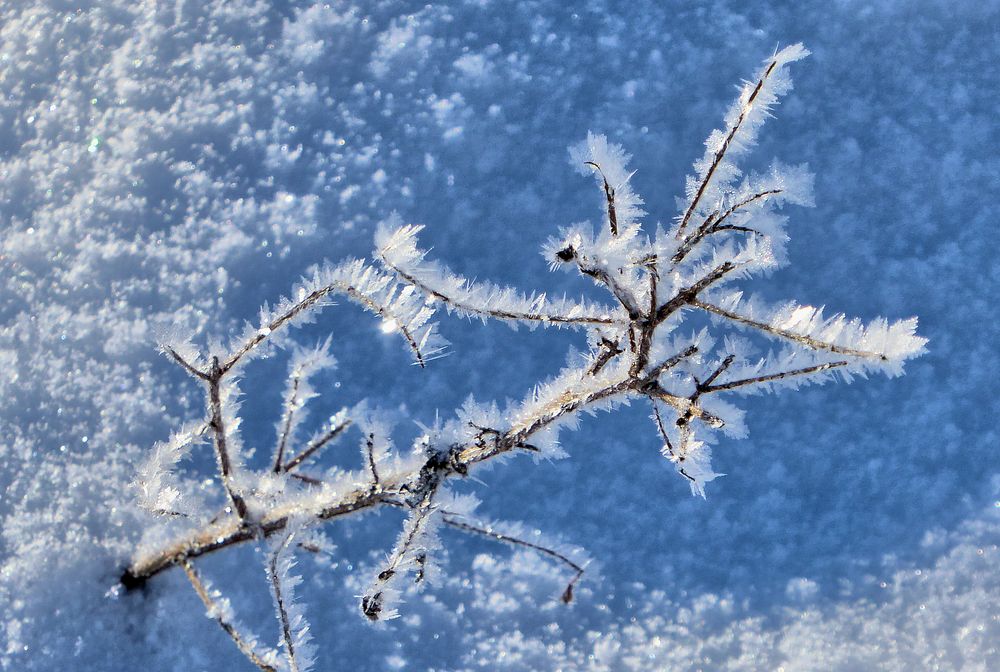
721 152
221 450
315 446
807 341
507 539
714 223
609 195
232 531
279 454
211 607
279 601
707 388
603 276
307 302
501 314
373 470
666 442
371 605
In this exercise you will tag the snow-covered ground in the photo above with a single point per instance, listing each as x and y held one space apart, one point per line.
183 162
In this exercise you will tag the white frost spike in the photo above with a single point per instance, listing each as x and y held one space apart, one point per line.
296 640
176 344
158 493
693 460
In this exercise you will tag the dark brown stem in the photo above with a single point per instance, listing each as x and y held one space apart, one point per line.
807 341
609 195
500 314
689 295
706 388
721 152
279 454
279 601
609 350
370 452
714 223
184 363
316 445
217 424
490 533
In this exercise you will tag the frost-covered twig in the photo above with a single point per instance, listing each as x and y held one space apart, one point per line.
295 637
336 428
491 532
726 234
220 611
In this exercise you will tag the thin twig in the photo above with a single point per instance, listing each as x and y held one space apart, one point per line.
372 602
217 424
370 451
606 278
290 407
721 152
609 350
808 341
689 295
316 445
707 388
671 362
714 223
218 615
279 602
489 532
704 385
497 313
675 457
184 363
609 195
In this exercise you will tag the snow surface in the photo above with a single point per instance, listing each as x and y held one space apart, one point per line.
182 162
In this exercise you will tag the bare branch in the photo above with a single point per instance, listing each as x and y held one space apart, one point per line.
606 278
274 577
373 602
684 406
306 302
609 350
689 295
671 453
706 384
383 312
714 223
671 362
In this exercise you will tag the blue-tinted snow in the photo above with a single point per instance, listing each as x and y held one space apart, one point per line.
181 162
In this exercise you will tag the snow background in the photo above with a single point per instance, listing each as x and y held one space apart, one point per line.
184 161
